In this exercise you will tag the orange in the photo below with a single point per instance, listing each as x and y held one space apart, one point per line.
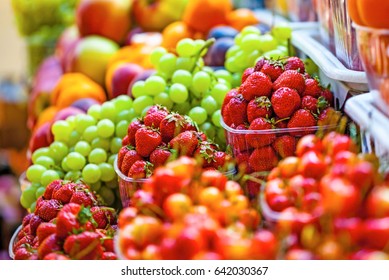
202 15
241 18
352 9
173 33
373 13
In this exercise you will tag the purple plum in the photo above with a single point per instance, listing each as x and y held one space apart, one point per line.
217 52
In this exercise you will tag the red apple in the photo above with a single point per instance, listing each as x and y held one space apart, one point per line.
107 18
40 137
66 44
122 76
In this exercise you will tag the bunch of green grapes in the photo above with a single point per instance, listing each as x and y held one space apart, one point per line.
250 45
84 148
183 84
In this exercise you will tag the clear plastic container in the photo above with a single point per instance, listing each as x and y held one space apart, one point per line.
373 47
326 26
301 10
13 241
346 48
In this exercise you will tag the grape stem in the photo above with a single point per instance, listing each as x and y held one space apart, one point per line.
206 46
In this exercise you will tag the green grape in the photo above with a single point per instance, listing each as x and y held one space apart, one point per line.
64 165
111 159
75 161
97 156
101 143
96 186
208 129
310 67
231 65
161 75
231 52
251 42
238 39
185 63
34 173
108 195
91 173
122 102
250 30
223 74
144 112
142 102
220 134
178 93
268 43
40 152
126 115
107 172
73 138
282 31
90 133
164 100
224 82
28 195
95 111
236 79
116 144
61 130
199 43
198 114
108 111
201 82
71 120
49 176
216 118
156 55
60 173
121 128
105 128
73 175
138 89
39 192
219 92
83 148
83 121
182 108
33 207
187 47
274 54
167 63
252 57
283 49
45 161
209 104
113 184
155 85
242 59
183 77
195 102
58 150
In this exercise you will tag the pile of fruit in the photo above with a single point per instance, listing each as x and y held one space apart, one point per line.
68 223
161 136
276 104
186 213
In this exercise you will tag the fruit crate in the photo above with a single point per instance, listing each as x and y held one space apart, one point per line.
373 125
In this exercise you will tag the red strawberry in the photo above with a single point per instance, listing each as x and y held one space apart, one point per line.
281 123
147 140
55 257
50 244
185 143
84 246
154 119
291 79
64 193
327 94
106 236
285 102
259 107
72 217
259 139
49 209
122 152
327 117
140 169
27 218
302 118
26 240
233 92
238 140
263 159
310 103
257 84
247 73
160 156
171 126
156 108
220 159
237 110
129 158
285 145
132 129
103 216
242 159
312 88
273 69
84 197
205 152
56 184
44 230
126 141
258 66
25 253
295 63
34 224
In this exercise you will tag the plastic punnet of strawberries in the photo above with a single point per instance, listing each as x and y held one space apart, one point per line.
276 104
68 223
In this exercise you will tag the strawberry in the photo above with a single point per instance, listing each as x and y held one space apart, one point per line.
257 84
84 197
285 146
260 139
263 159
50 244
189 125
259 107
140 169
273 69
247 73
258 66
327 95
147 140
205 152
56 184
312 88
291 79
160 156
327 117
237 110
122 152
44 230
220 159
233 92
154 119
171 126
126 141
185 143
132 129
72 218
109 256
242 159
35 221
280 123
285 102
106 236
310 103
156 108
103 216
64 193
25 253
48 209
129 158
55 257
238 140
301 118
84 246
295 63
26 239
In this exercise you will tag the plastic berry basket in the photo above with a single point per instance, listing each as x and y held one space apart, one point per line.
13 241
